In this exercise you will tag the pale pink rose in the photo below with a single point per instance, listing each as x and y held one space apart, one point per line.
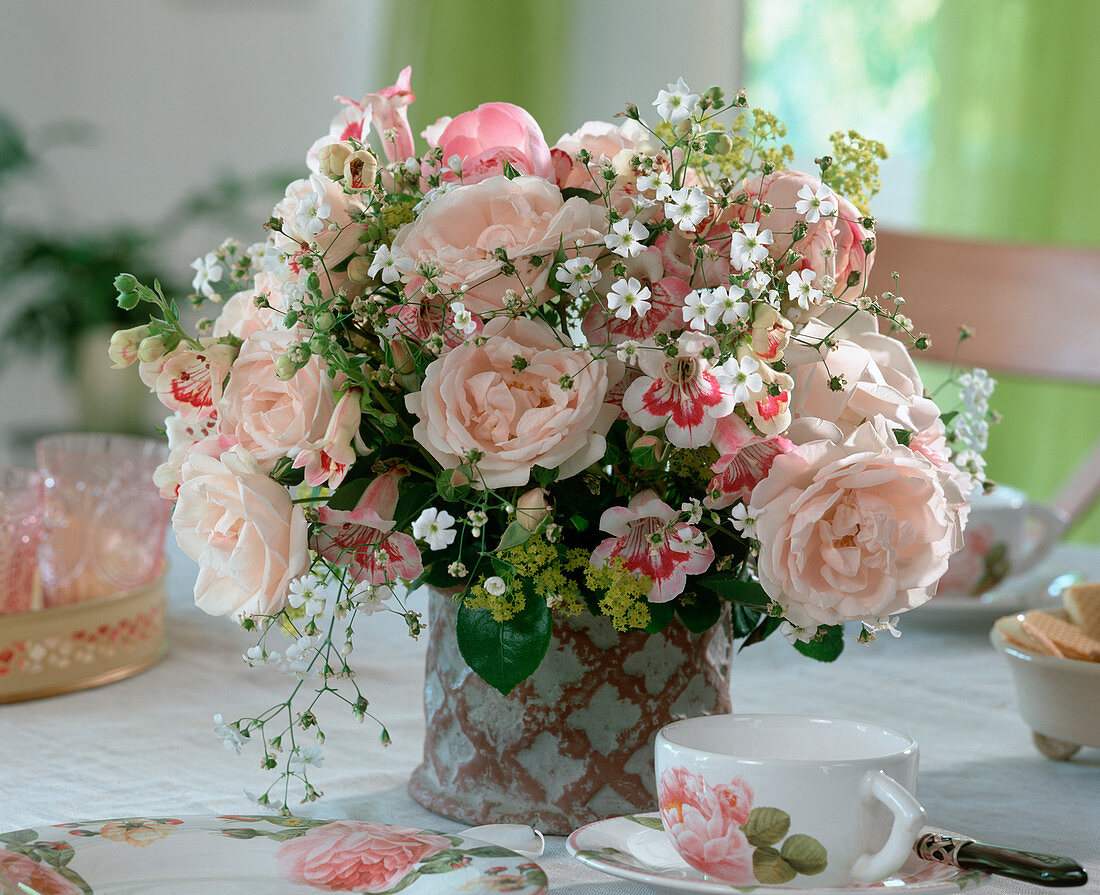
704 823
363 540
460 231
879 379
240 315
306 211
855 530
473 399
355 856
648 541
488 136
41 878
678 252
243 530
603 142
271 418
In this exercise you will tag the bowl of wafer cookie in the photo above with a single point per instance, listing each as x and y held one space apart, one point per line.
1055 660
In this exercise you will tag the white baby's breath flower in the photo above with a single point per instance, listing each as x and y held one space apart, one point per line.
435 527
749 246
795 634
495 586
742 519
625 238
695 308
741 378
390 263
687 207
578 275
628 295
815 203
627 351
307 756
464 320
800 284
724 305
208 270
659 181
676 103
229 734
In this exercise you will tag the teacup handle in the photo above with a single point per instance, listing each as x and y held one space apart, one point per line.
1052 522
908 822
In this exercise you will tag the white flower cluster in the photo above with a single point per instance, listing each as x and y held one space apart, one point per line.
971 426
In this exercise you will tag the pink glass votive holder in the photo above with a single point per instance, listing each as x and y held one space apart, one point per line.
105 520
20 529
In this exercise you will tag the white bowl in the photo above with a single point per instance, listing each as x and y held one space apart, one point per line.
1059 699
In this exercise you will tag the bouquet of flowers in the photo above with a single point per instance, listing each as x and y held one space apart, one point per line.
636 374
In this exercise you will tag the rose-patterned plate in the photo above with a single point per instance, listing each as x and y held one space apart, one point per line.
254 855
636 847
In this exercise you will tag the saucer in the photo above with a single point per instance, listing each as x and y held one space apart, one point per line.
636 848
256 855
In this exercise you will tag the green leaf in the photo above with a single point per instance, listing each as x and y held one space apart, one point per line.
826 646
903 436
19 837
654 823
489 851
805 854
347 495
946 418
514 535
730 587
545 477
509 170
571 192
700 613
660 614
711 141
771 868
766 826
743 620
504 653
768 625
412 500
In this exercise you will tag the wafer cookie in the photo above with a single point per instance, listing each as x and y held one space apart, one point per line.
1083 605
1061 638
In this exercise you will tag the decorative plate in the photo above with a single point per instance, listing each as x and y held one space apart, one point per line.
253 855
635 847
1018 594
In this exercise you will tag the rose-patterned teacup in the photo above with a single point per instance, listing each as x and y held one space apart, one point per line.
788 799
1006 534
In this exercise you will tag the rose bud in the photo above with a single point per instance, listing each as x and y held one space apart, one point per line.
123 349
331 159
359 269
532 508
648 452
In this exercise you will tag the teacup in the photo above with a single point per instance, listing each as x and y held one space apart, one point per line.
1006 534
778 799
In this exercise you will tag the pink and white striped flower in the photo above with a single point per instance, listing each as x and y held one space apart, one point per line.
745 460
363 540
649 541
681 393
189 382
330 458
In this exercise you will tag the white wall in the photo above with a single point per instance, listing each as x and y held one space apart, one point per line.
179 91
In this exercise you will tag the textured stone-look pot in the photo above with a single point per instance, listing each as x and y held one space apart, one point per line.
574 742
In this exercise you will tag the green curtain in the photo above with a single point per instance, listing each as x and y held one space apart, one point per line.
1015 131
468 52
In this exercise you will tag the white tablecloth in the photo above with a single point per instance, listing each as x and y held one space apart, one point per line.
144 746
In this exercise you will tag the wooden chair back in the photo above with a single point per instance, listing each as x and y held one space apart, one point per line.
1035 311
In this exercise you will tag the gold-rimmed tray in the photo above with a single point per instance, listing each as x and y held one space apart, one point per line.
47 652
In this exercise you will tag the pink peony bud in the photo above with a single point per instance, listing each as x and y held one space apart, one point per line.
532 508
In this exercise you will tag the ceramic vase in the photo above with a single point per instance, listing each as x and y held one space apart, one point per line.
574 742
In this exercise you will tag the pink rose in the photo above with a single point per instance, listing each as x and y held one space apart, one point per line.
488 136
243 530
355 856
603 142
704 823
271 418
854 530
241 317
850 254
182 436
40 877
473 399
879 380
460 231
